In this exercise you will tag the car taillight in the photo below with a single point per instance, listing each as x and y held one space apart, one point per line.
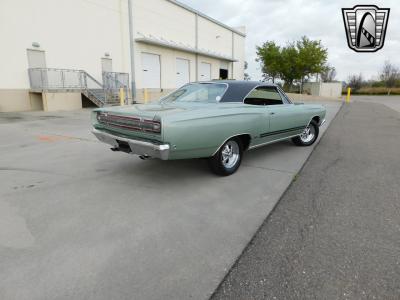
151 126
130 123
99 117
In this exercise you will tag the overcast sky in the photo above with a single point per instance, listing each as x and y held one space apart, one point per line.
288 20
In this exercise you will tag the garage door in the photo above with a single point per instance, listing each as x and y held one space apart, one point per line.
205 71
182 72
151 71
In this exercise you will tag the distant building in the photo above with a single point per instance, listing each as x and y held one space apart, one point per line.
89 39
323 89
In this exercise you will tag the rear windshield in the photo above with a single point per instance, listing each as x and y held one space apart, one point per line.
197 92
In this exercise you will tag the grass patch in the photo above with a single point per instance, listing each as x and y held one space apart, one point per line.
374 91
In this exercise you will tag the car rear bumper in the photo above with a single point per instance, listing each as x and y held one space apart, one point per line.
131 146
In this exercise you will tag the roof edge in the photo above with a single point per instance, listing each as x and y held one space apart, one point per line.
183 48
184 6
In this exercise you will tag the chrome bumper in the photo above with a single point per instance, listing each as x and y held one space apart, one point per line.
136 147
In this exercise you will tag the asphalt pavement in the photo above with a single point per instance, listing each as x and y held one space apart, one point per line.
392 102
78 221
335 233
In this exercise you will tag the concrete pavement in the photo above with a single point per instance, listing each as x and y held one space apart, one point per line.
78 221
335 234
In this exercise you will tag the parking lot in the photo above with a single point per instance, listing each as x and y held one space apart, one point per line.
80 221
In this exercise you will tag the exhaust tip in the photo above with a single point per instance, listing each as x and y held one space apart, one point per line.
144 157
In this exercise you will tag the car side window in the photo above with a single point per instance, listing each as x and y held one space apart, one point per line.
264 95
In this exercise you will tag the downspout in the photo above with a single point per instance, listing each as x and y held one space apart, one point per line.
132 51
197 45
233 51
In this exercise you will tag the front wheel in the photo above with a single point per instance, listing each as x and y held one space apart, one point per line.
308 136
228 158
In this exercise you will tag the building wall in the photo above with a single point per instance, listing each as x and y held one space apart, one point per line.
311 88
164 20
76 34
240 55
214 37
61 101
331 89
324 89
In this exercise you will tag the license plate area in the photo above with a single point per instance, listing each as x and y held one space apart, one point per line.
124 146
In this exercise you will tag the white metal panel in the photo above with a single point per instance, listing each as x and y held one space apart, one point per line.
205 71
151 71
36 58
182 72
106 64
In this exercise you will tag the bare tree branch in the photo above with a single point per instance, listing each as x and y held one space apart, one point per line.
389 75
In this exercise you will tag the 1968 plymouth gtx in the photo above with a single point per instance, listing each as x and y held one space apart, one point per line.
218 120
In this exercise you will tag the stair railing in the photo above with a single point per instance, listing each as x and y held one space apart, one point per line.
94 88
108 93
113 83
55 79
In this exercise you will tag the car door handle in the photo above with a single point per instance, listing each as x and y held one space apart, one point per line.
271 113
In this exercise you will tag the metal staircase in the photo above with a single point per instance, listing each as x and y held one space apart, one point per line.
66 80
96 96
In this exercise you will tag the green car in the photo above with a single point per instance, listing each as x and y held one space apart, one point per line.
218 120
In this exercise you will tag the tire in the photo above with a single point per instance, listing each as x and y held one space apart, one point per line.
309 135
228 158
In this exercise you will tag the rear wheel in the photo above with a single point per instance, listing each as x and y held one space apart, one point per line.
228 158
308 136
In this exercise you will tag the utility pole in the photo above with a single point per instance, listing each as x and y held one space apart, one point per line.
132 52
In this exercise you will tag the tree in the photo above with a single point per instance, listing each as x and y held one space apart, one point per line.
246 75
295 61
270 57
389 75
355 81
312 57
289 70
328 74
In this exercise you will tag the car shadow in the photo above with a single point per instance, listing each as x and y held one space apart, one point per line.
271 149
163 170
180 170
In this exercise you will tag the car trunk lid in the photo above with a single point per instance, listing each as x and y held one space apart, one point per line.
134 121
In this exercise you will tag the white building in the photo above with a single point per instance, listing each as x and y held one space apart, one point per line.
323 89
173 44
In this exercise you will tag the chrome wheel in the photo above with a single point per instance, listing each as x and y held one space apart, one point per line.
308 134
230 154
227 159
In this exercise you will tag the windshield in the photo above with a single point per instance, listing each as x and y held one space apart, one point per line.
197 92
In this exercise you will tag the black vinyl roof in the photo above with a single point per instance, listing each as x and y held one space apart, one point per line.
238 89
